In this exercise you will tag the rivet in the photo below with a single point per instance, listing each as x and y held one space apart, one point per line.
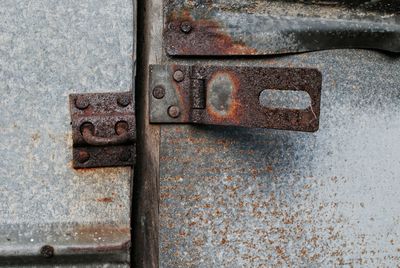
125 155
158 92
179 76
186 27
123 100
81 103
83 156
174 111
47 251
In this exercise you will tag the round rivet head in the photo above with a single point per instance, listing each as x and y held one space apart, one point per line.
125 155
47 251
123 101
179 76
186 27
158 92
83 156
174 111
81 103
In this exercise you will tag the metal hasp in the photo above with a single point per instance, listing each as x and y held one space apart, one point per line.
223 95
254 27
103 129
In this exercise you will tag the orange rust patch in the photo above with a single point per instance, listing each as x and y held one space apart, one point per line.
232 114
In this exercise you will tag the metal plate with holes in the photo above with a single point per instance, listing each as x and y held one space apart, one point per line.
215 95
103 129
254 27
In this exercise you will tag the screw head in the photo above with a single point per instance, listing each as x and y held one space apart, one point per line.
125 155
123 100
179 76
47 251
83 156
81 103
174 112
186 27
159 92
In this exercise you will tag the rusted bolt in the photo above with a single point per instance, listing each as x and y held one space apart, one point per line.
179 76
125 155
81 103
83 156
47 251
123 101
159 92
186 27
121 127
174 111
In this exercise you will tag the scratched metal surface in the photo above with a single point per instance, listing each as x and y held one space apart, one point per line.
235 197
261 27
49 49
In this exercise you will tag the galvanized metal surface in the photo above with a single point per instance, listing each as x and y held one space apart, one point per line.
103 129
222 95
49 49
256 27
234 197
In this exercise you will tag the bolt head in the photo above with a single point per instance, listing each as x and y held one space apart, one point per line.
159 92
179 76
174 111
47 251
186 27
123 100
81 103
83 156
125 155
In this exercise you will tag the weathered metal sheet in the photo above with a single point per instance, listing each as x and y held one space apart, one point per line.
255 27
48 50
236 197
228 95
103 129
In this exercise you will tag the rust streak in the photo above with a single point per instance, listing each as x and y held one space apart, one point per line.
205 38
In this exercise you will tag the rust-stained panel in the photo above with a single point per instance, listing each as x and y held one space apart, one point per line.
239 197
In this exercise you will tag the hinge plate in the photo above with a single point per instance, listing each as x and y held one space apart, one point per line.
103 129
230 95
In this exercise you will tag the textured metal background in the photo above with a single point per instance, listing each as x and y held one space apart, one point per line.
234 197
49 49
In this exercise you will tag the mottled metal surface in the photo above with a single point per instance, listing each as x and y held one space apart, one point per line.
49 49
228 95
258 27
103 129
234 197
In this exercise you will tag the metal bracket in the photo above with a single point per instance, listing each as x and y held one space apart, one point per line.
103 129
230 95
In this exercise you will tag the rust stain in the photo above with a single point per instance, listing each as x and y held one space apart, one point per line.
105 200
205 38
232 113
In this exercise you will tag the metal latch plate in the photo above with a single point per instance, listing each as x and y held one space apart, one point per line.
230 95
103 129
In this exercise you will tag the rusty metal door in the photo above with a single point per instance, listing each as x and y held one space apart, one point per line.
248 197
50 213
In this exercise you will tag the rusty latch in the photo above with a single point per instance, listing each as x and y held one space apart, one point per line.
230 95
103 129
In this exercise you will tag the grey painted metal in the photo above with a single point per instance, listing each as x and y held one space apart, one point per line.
234 197
49 49
258 27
